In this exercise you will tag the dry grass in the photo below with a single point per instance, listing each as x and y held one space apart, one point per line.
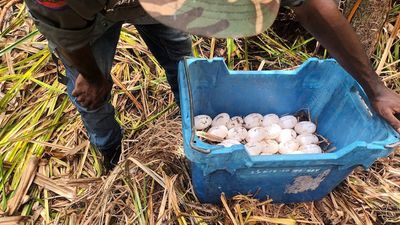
151 185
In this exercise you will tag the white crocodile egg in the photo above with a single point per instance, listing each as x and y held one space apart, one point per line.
271 147
229 143
286 135
295 153
310 149
305 127
270 119
221 119
202 122
253 120
254 148
255 134
289 146
288 122
265 153
237 133
306 139
236 121
218 131
272 131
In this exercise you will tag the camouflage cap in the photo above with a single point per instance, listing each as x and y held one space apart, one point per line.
215 18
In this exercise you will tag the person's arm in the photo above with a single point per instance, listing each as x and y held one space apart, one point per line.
68 25
91 86
323 20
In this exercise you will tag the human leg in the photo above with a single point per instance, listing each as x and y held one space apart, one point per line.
169 46
103 130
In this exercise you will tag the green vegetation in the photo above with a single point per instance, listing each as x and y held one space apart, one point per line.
152 185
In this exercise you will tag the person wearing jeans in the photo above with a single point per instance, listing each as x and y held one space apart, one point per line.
168 46
85 35
99 43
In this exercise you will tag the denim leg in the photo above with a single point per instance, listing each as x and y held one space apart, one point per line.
169 46
104 131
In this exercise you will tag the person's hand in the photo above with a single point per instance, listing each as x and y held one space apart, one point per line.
91 94
387 104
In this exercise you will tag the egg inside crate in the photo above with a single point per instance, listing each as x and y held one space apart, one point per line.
286 135
271 147
218 131
288 147
229 143
305 127
270 119
272 131
262 135
221 119
253 120
306 139
310 149
236 121
256 134
255 148
202 122
294 153
237 133
288 122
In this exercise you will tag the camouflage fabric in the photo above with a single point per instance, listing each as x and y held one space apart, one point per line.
215 18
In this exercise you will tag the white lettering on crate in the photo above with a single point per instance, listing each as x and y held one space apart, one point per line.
286 170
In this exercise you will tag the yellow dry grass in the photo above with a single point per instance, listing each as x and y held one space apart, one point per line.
42 134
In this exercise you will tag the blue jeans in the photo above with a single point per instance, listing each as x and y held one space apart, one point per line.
167 45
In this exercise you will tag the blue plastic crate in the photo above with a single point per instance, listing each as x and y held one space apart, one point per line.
334 99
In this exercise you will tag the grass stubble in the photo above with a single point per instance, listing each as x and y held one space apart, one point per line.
49 174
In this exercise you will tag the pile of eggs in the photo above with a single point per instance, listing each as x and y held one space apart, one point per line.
261 135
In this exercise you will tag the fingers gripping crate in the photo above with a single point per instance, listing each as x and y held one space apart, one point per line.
335 101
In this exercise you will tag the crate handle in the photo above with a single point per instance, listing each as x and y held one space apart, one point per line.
192 135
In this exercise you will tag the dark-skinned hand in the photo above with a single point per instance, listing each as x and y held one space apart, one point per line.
387 104
91 94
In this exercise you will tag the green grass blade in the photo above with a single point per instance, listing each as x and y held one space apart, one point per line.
18 42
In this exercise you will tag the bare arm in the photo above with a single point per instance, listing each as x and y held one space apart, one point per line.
91 86
69 32
84 61
323 20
